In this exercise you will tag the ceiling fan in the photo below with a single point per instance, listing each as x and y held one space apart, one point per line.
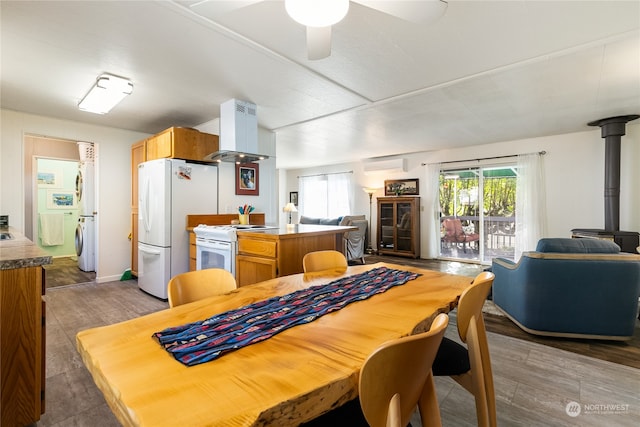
319 15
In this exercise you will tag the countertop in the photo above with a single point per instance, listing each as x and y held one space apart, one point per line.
296 230
20 252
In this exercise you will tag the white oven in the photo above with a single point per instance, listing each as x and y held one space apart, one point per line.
216 247
215 254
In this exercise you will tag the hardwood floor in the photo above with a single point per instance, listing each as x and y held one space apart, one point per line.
534 382
623 352
64 271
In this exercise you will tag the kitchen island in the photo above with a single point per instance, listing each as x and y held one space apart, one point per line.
267 254
22 338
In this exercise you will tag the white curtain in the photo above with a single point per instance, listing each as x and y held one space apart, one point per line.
432 211
325 196
339 195
530 203
308 205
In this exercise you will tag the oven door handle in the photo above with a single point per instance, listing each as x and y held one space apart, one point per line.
209 244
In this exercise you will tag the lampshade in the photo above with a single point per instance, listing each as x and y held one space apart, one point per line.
369 190
317 13
290 207
105 94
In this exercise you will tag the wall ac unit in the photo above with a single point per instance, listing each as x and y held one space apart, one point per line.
386 165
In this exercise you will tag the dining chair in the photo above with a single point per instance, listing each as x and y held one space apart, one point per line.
196 285
397 376
471 366
323 260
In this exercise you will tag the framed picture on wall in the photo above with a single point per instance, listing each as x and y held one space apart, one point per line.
247 179
49 179
401 187
293 198
61 199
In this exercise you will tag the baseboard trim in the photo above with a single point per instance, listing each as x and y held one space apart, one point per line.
103 279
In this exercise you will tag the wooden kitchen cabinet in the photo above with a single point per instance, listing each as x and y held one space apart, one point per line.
22 341
257 259
192 251
399 226
138 155
275 253
181 143
254 269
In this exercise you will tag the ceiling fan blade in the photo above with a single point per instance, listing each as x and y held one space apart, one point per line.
216 8
418 11
318 42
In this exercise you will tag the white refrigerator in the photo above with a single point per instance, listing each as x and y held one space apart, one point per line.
168 191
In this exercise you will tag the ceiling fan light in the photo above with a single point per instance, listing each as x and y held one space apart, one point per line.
317 13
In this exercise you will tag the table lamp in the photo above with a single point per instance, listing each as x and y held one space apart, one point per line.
290 207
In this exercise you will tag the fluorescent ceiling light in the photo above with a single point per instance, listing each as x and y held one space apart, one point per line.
317 13
105 94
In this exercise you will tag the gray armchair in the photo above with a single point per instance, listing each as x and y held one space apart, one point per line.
354 241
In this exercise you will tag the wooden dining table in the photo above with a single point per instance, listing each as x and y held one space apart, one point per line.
285 380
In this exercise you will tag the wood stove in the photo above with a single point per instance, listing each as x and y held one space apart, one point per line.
612 129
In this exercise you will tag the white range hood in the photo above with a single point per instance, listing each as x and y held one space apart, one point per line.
238 133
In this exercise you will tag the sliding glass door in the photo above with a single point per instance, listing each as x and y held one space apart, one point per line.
477 213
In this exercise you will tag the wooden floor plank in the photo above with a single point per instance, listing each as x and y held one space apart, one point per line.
528 393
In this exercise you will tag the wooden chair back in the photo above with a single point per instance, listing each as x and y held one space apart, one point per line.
196 285
471 328
323 260
397 376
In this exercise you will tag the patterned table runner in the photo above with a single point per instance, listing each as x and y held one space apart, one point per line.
206 340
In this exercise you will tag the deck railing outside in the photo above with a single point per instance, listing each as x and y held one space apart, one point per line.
499 239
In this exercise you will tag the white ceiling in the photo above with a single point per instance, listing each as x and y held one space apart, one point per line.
488 71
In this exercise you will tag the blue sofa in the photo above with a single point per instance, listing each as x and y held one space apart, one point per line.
577 288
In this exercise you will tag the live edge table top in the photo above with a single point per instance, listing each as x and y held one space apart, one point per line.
290 378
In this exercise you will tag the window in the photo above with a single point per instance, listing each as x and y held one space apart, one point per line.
325 196
477 213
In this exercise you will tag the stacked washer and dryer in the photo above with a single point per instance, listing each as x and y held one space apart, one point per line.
85 193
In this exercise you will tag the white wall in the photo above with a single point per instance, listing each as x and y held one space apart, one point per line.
266 201
113 171
574 173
